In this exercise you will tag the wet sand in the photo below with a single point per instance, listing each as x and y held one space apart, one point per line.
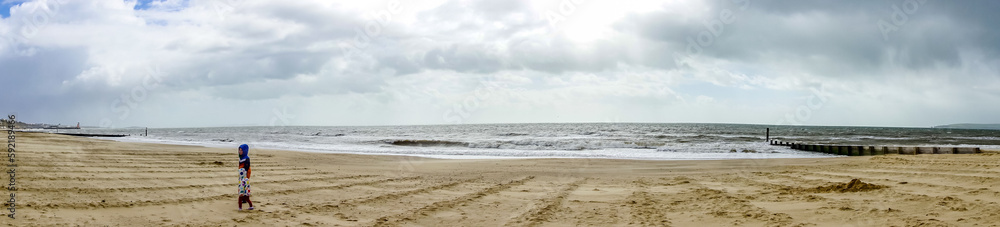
71 181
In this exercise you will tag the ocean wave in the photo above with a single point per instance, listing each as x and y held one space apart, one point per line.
512 134
619 140
427 143
530 144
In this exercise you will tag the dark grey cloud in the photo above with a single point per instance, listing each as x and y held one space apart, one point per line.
626 58
839 38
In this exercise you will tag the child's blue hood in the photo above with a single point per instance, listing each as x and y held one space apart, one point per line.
246 151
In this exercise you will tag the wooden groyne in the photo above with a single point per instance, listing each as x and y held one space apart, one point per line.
851 150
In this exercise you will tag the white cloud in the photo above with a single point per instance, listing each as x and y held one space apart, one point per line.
85 61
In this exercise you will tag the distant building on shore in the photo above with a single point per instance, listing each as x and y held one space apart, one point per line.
22 125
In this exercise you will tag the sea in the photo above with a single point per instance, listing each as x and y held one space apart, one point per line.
641 141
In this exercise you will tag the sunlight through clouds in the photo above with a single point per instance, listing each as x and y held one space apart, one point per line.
638 61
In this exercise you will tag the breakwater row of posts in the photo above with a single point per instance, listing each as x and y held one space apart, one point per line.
875 150
854 150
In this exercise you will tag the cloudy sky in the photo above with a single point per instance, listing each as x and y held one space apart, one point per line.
176 63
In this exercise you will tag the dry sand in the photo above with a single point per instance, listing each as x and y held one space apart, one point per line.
72 181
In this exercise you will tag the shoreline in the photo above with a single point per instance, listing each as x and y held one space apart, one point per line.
482 153
70 180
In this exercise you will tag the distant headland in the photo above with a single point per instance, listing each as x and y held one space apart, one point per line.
22 125
971 126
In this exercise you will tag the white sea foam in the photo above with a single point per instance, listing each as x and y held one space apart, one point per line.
615 141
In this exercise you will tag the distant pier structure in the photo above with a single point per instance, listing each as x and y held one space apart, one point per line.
857 150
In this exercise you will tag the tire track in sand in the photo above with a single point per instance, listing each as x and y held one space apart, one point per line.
213 197
227 175
644 208
159 188
390 196
394 220
141 166
546 207
199 170
329 207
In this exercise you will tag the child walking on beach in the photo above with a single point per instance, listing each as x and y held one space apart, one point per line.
244 188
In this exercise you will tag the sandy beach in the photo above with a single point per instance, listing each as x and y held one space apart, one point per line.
70 181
